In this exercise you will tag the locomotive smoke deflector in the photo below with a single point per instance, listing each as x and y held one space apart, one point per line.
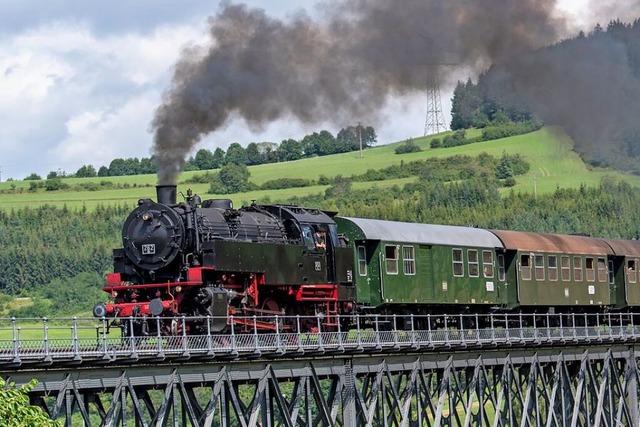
166 194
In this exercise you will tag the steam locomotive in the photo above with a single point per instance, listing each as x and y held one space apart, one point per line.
204 258
226 268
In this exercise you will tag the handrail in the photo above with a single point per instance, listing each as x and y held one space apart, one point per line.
25 342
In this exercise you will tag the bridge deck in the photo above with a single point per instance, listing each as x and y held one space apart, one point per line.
371 334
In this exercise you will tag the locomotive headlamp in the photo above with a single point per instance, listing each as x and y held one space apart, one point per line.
147 216
178 288
114 293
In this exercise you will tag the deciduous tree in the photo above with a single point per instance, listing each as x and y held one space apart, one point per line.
15 410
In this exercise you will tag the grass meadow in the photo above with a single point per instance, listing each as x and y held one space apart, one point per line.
549 151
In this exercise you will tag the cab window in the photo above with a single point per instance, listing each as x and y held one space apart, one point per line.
307 236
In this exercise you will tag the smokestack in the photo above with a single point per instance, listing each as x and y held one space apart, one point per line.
166 194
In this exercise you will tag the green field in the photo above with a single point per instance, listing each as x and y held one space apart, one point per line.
549 151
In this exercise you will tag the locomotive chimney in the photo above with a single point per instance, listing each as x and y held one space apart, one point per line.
166 194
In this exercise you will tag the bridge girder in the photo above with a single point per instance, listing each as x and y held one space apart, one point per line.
573 386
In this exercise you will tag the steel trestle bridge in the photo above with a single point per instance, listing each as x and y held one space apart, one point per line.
531 370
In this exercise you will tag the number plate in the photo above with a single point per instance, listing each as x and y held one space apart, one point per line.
148 249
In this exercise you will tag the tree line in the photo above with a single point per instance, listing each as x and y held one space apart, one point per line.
322 143
234 178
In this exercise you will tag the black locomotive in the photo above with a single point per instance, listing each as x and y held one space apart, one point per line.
206 259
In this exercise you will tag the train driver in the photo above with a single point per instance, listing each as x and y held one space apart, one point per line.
320 240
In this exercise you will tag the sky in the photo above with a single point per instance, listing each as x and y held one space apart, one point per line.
80 80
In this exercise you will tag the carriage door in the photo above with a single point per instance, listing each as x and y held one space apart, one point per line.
632 287
425 273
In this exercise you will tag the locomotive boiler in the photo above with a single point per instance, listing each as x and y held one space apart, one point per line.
209 262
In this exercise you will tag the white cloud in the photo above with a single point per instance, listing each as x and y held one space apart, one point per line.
98 136
65 88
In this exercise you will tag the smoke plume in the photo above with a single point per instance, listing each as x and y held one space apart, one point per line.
339 66
588 85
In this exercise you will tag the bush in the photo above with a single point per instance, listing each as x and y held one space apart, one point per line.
435 143
509 182
509 129
15 409
201 178
455 140
281 183
89 186
341 187
232 178
33 177
39 308
323 180
408 147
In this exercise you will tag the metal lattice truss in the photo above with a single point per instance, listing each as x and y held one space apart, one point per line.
572 386
434 122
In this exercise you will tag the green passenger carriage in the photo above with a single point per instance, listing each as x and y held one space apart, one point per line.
425 269
549 271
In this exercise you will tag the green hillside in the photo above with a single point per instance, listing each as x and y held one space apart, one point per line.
549 152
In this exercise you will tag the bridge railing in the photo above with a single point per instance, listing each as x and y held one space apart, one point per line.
81 339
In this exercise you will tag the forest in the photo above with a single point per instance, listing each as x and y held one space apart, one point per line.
59 257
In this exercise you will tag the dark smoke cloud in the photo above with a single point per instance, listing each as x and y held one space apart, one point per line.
340 67
590 86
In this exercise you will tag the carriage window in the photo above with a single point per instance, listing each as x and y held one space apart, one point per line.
577 269
602 270
362 261
525 267
501 275
487 263
539 260
408 261
566 268
391 257
591 269
472 256
458 263
552 262
631 271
